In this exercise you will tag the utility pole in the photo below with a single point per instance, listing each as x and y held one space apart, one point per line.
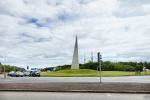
99 67
92 56
4 70
14 69
144 67
84 58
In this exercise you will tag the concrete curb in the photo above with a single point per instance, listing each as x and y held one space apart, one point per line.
76 91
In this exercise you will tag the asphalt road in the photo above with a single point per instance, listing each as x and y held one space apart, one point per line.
128 79
70 96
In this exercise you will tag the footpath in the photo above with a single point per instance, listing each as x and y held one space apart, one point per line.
94 87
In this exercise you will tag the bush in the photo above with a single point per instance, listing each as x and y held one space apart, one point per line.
9 68
108 66
139 68
89 65
129 68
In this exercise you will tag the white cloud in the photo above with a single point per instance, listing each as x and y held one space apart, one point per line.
42 33
146 8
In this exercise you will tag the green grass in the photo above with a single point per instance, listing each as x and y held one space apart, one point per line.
88 73
69 73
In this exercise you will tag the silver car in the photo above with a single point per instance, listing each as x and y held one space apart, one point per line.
27 73
19 74
12 74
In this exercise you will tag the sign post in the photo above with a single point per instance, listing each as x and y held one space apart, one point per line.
4 70
99 67
27 67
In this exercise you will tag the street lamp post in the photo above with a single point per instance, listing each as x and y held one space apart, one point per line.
4 70
99 67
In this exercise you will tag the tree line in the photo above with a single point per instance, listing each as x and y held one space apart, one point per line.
108 66
9 68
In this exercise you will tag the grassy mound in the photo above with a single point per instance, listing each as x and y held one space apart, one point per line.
67 73
87 73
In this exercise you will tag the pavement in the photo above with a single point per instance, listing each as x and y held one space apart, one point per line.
129 84
1 75
125 79
78 87
70 96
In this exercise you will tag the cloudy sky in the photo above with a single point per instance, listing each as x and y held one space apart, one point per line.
42 32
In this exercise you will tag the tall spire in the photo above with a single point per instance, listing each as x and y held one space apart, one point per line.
75 60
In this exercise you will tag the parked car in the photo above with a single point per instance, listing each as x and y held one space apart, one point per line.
27 73
12 74
19 74
35 74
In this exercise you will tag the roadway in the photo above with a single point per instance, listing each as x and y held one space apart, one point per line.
127 79
70 96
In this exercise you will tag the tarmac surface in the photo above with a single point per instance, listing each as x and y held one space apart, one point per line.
70 96
128 84
78 87
125 79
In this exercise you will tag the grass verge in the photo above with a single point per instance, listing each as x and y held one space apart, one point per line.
89 73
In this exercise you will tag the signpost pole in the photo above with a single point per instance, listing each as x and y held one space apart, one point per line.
4 70
99 68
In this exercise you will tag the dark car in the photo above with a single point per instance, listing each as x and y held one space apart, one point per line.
12 74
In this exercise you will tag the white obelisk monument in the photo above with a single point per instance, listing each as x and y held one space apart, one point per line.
75 60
